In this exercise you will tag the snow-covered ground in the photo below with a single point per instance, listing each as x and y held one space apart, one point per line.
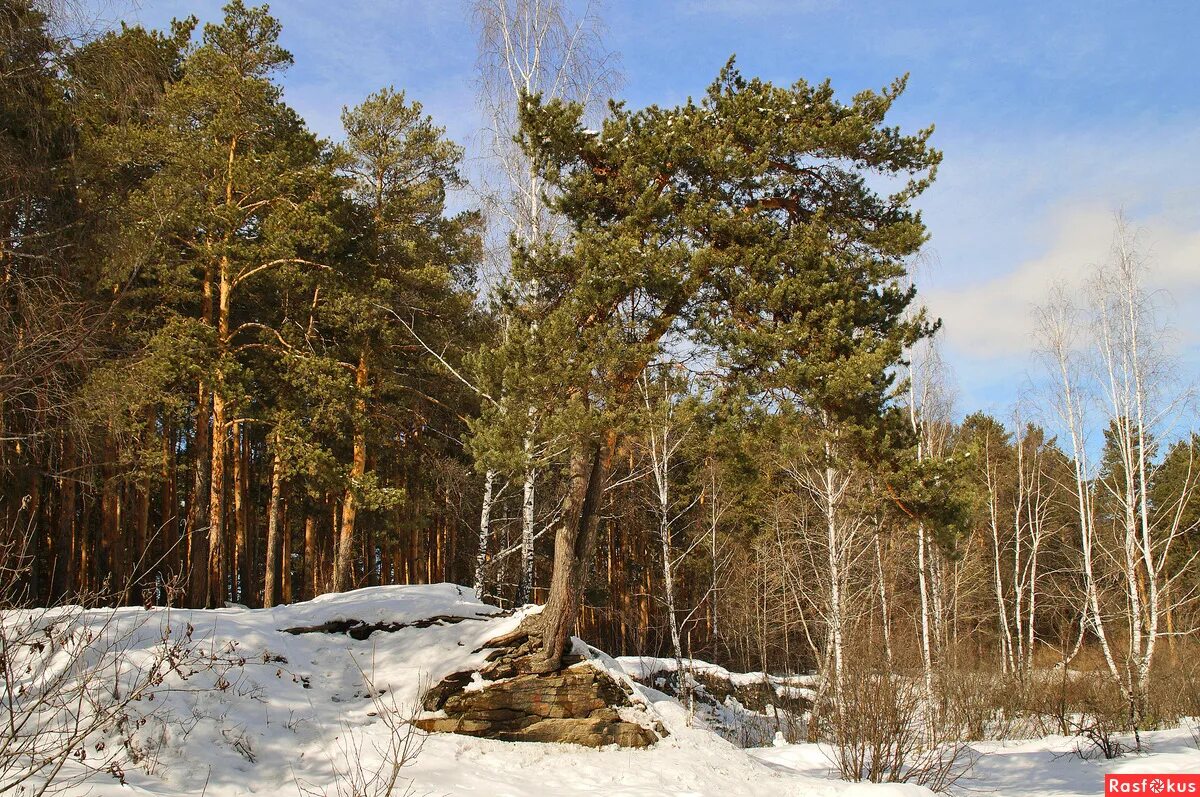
284 713
1048 767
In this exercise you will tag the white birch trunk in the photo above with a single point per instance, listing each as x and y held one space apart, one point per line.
485 531
525 591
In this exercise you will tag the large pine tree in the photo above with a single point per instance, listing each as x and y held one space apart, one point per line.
747 226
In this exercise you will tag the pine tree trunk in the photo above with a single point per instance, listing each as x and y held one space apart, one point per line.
197 548
287 590
142 559
215 591
343 564
242 589
311 571
167 553
573 543
65 567
271 579
110 521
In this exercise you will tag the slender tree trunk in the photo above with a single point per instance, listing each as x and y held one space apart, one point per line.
110 521
834 562
884 611
311 570
1005 634
923 588
285 562
197 548
65 569
525 591
485 532
239 480
168 550
215 592
344 562
271 579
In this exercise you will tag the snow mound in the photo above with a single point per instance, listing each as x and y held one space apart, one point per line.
273 712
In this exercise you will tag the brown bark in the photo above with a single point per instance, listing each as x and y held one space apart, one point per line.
343 563
573 543
197 548
36 552
142 560
271 579
65 567
169 542
311 586
214 593
285 562
110 519
241 531
215 588
329 551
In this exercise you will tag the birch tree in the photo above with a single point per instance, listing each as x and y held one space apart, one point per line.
1122 383
928 409
1134 377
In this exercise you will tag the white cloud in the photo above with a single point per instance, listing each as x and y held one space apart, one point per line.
991 319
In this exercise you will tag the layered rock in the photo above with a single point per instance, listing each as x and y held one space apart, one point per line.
577 704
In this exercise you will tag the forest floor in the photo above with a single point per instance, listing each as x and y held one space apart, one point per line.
279 713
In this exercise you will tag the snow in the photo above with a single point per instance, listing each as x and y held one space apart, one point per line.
282 713
645 667
1048 767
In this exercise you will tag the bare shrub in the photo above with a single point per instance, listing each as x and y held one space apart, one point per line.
70 677
977 705
1175 691
881 731
1099 716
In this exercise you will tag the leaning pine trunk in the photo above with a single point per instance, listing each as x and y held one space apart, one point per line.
573 543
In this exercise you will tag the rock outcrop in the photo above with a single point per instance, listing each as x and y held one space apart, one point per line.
578 704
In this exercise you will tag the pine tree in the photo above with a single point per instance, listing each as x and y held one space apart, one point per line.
742 224
408 288
246 194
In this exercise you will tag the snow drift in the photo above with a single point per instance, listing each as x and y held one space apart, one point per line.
294 700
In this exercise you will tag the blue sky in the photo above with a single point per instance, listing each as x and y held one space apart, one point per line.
1052 115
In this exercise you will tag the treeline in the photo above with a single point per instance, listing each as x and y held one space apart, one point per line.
698 413
217 326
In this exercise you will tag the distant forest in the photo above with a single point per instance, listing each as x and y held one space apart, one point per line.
669 373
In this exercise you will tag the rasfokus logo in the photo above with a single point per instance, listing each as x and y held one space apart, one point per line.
1152 785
